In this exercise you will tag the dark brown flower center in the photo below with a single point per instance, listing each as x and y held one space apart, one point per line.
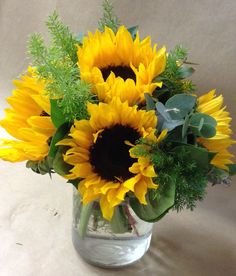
124 72
109 156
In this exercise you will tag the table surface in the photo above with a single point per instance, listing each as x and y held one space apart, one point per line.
35 241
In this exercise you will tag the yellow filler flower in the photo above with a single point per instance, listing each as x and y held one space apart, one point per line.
27 120
100 154
109 61
212 105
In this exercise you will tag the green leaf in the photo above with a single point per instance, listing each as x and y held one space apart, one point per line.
185 126
203 125
232 169
59 135
59 165
74 182
119 221
172 124
156 207
150 104
185 72
164 119
197 154
161 109
180 105
80 38
211 155
175 136
57 115
133 31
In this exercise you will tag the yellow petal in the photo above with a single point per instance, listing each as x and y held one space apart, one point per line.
140 191
106 208
149 171
130 183
108 186
82 170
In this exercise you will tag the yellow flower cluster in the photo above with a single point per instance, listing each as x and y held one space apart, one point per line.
101 150
117 65
28 120
212 105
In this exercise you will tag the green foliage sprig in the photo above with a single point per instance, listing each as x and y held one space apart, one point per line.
175 76
57 64
108 19
62 37
187 177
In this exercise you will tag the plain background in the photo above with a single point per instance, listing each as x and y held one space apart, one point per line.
198 243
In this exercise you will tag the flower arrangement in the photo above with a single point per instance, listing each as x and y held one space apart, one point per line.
120 119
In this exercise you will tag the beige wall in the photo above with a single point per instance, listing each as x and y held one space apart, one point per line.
206 27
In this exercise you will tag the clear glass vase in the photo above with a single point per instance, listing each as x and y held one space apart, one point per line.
120 242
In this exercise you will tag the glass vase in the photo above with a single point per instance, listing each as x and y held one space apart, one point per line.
115 243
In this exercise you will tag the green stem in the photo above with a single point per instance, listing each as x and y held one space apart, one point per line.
119 223
84 219
131 220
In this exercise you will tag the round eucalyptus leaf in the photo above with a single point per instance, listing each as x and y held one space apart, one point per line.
203 125
180 105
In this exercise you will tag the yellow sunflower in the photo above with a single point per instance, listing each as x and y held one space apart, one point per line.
108 60
27 120
212 105
100 154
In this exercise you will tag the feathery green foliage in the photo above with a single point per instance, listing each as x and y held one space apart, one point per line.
175 74
108 19
58 65
190 181
74 102
62 37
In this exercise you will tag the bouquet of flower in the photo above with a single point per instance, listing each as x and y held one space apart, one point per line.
119 119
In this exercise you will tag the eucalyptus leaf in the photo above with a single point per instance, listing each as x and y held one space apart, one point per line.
180 105
185 72
150 104
170 125
232 169
161 109
156 207
133 31
185 126
203 125
164 119
80 38
175 136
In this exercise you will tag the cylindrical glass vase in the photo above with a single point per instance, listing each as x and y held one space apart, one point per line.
115 243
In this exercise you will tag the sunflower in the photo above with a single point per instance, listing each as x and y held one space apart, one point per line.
212 105
100 154
27 120
109 61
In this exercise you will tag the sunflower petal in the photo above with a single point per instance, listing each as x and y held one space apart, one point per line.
107 209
